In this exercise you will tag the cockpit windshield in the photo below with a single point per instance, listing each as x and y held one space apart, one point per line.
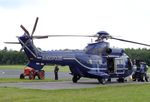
96 48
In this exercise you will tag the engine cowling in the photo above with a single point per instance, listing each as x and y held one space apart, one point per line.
114 51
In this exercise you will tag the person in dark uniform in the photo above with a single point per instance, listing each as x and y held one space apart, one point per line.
56 72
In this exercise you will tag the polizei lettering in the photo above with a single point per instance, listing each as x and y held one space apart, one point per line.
48 57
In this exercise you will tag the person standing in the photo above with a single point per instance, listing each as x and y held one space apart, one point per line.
56 72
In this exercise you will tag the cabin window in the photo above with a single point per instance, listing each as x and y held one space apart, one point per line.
129 64
119 61
90 61
100 61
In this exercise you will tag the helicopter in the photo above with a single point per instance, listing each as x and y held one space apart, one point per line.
98 60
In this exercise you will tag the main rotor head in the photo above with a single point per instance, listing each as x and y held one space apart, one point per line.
101 35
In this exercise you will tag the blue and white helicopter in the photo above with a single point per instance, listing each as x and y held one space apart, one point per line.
97 60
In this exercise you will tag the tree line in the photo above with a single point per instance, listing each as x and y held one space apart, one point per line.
10 57
139 54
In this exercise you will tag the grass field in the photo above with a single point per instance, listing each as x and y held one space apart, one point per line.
125 93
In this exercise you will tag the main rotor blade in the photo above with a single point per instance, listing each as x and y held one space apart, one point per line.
34 26
25 30
130 41
39 37
71 35
11 42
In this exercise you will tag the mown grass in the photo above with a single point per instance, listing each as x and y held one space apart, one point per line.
49 68
125 93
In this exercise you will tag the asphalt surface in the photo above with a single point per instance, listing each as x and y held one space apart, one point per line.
82 83
52 85
11 73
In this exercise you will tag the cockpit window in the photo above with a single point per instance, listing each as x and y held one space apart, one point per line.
96 48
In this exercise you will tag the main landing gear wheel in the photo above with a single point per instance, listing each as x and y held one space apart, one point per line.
75 78
121 80
109 80
101 80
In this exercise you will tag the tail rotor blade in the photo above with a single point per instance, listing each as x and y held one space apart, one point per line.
24 44
34 26
11 42
21 49
25 30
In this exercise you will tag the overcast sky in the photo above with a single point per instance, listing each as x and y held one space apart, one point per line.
127 19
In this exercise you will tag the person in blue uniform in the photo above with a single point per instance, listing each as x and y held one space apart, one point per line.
56 69
143 71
